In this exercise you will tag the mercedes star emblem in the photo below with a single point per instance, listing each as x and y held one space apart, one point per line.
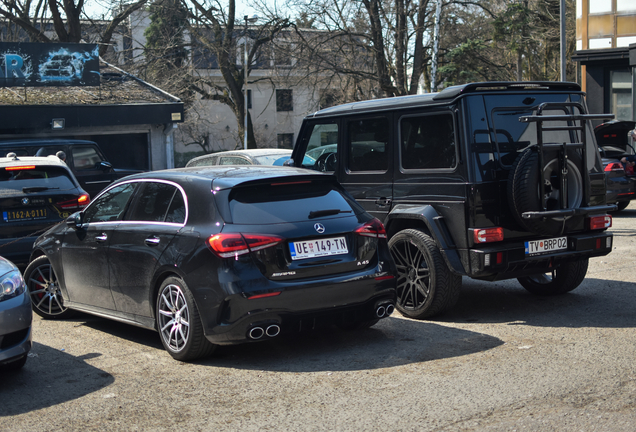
319 227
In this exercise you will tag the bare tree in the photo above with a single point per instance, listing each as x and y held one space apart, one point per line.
65 18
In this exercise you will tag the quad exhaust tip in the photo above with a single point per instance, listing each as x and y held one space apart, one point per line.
256 333
384 310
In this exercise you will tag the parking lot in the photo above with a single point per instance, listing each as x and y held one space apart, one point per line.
501 360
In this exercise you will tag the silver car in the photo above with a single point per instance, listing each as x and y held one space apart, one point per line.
15 317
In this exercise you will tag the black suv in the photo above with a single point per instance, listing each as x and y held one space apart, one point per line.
84 158
492 181
35 194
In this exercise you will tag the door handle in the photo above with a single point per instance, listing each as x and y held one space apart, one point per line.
152 241
383 202
101 238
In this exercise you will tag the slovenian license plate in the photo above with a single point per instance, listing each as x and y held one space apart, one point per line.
318 248
23 215
536 247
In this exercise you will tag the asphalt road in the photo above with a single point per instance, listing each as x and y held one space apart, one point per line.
503 360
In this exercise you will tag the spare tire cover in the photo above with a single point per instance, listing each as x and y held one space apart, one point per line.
524 189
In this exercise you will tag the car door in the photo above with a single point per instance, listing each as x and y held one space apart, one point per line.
155 216
91 168
366 163
85 250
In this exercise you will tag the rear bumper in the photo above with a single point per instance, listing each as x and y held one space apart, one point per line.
302 307
509 260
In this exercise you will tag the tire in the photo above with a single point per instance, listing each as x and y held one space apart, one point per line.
560 280
178 322
44 290
426 287
523 189
621 205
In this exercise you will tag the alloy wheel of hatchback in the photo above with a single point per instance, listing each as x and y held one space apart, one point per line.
178 322
44 290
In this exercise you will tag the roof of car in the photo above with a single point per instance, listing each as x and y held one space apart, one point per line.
225 176
250 153
51 160
444 96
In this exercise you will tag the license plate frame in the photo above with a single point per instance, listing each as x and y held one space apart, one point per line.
316 248
23 215
545 246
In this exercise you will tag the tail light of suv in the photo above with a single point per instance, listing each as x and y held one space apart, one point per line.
75 204
614 166
600 222
227 245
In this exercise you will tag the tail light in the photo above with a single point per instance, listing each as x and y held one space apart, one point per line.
75 203
614 166
487 235
373 228
227 245
600 222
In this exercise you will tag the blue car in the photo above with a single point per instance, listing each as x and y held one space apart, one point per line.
16 317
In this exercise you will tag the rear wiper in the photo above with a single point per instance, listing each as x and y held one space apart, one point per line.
37 189
320 213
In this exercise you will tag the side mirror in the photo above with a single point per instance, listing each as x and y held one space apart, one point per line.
106 166
75 220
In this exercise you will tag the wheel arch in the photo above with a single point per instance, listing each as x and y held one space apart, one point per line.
427 219
161 275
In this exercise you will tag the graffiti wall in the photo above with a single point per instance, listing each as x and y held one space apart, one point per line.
48 64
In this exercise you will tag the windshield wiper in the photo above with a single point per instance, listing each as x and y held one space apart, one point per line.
37 189
320 213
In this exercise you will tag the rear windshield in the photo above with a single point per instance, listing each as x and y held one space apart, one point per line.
33 178
268 204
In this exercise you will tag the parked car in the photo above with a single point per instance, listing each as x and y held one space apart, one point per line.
486 180
269 156
15 317
218 255
614 144
84 158
35 194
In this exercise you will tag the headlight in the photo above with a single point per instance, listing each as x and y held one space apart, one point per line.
11 285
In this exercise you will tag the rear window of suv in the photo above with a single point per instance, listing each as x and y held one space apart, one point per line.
293 202
25 177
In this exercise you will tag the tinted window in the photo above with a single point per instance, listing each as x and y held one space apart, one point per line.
322 141
110 205
427 141
367 140
204 161
177 210
35 177
265 204
233 160
85 158
152 202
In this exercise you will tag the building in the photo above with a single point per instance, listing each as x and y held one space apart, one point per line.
606 55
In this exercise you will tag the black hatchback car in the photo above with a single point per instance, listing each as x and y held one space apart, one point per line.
218 255
35 194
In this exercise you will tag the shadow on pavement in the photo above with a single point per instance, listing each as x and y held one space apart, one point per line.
50 377
595 303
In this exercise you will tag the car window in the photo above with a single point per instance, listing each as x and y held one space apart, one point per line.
322 143
85 158
367 141
109 206
30 176
203 161
279 203
233 160
427 141
152 202
177 210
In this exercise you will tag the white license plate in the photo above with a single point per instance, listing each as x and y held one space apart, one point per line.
318 248
536 247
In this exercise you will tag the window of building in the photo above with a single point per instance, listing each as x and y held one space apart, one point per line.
600 6
284 100
249 99
621 94
285 140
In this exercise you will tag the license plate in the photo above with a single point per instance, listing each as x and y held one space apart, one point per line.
24 215
537 247
318 248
